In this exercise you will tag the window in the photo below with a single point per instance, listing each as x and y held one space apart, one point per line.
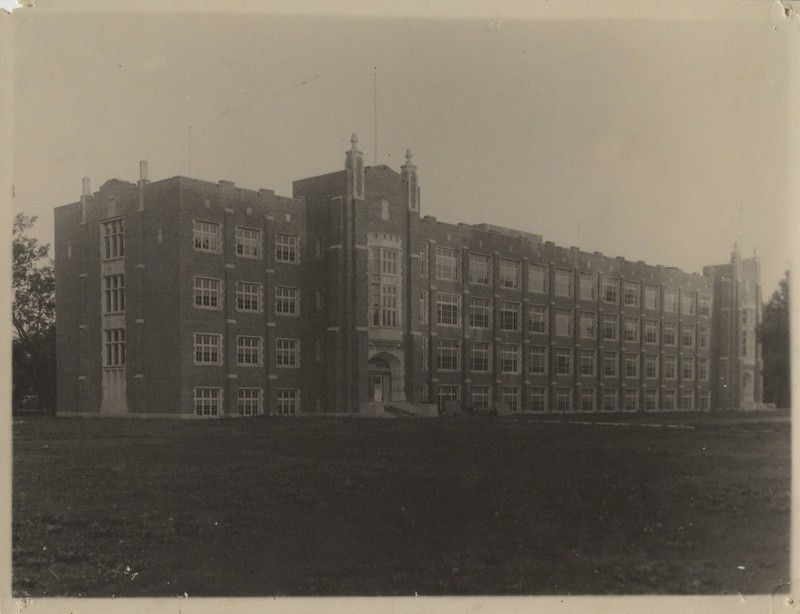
318 295
248 351
670 333
207 401
631 329
423 307
480 358
687 399
114 355
319 247
207 236
538 399
286 248
509 316
424 353
423 259
481 397
480 269
564 399
510 274
588 287
687 303
319 353
669 400
249 401
748 342
510 395
610 327
207 293
704 400
384 288
563 361
650 400
687 335
610 290
588 361
702 369
609 400
509 358
564 322
631 297
630 400
651 366
288 402
447 267
537 278
537 360
248 242
705 305
670 367
480 312
651 331
703 336
537 319
448 309
207 349
610 362
588 325
114 294
687 368
287 352
671 300
563 283
286 301
631 365
587 399
448 393
651 297
449 355
113 239
248 296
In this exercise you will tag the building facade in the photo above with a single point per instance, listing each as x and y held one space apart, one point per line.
188 298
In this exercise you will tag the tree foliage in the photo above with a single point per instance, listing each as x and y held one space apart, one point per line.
33 318
774 335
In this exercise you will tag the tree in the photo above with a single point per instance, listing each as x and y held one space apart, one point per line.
33 318
774 335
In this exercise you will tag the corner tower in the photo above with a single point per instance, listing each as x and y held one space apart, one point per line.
736 316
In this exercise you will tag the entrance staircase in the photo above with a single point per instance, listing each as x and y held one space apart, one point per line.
404 409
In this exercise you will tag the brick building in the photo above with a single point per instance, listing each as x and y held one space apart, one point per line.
183 297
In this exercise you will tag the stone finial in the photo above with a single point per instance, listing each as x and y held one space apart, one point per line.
354 141
408 156
86 190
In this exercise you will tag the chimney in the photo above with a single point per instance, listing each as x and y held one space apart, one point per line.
86 192
143 181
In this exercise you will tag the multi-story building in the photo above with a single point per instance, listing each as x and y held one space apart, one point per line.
183 297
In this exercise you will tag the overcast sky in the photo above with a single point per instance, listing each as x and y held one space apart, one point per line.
662 140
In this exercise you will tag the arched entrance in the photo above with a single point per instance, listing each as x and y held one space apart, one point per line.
748 398
385 373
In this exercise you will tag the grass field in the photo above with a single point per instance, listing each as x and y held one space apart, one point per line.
455 506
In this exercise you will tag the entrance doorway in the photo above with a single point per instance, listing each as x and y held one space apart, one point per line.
385 378
380 387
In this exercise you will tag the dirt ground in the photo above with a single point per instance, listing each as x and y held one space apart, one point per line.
449 506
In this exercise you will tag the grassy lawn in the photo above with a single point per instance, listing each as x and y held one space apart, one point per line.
456 506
